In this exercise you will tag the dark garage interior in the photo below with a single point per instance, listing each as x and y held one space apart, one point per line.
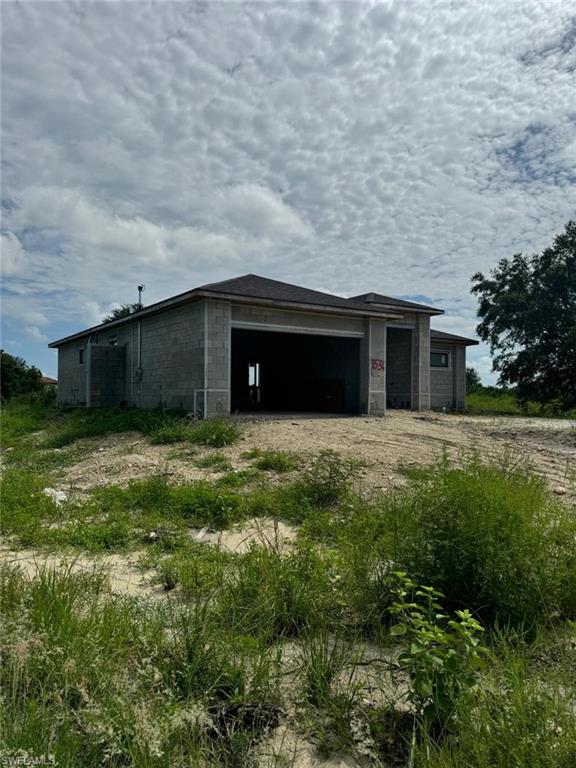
292 372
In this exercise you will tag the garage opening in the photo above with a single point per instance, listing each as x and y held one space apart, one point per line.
292 372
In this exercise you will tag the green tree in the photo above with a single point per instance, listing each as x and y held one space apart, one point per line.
527 308
17 377
473 380
122 311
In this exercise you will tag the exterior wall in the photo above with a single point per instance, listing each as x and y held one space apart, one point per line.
372 376
172 358
72 374
448 385
264 318
171 367
106 374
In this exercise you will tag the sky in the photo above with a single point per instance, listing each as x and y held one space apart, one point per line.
395 147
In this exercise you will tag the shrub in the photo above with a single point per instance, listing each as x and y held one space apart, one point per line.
441 655
517 716
329 477
491 538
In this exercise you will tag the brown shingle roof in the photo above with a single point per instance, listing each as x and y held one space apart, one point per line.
442 336
256 287
390 301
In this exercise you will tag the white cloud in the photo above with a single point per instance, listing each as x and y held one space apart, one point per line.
13 258
35 333
395 147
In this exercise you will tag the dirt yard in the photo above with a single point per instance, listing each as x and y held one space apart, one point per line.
402 438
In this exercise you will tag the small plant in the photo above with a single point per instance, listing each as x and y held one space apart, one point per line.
442 655
215 461
329 477
276 461
214 432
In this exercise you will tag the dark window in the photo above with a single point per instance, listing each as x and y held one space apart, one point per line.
113 340
439 359
81 356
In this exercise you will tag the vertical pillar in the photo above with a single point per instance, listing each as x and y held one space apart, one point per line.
217 358
373 368
421 364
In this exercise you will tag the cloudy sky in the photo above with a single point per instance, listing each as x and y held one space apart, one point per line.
396 147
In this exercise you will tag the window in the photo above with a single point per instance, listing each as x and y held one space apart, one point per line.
81 356
439 359
113 340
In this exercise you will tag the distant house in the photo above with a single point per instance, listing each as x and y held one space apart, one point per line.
48 382
255 344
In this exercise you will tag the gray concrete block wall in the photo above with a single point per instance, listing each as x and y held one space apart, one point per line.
448 385
72 374
172 359
241 313
107 375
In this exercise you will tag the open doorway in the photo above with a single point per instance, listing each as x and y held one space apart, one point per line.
399 368
291 372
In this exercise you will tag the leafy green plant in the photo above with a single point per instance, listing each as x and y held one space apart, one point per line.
441 654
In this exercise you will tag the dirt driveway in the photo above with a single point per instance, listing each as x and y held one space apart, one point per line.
402 437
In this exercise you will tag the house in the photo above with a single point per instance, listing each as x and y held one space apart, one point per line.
254 344
47 381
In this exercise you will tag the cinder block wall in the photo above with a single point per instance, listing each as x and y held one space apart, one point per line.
107 374
171 363
172 358
71 374
448 385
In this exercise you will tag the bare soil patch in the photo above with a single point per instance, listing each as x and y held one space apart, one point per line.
384 444
124 576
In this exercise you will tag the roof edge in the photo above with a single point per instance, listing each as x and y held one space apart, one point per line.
205 293
452 338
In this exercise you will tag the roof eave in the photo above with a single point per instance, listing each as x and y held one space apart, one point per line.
197 294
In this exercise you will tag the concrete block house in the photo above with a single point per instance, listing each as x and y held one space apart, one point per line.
252 344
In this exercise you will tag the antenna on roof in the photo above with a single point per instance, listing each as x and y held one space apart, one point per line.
141 289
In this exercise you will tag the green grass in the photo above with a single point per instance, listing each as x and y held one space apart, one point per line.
274 461
198 678
218 462
505 404
491 537
215 433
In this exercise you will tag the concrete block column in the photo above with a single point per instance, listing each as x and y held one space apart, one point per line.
373 368
421 364
459 373
217 358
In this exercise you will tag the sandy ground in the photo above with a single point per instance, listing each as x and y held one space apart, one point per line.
124 577
403 437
